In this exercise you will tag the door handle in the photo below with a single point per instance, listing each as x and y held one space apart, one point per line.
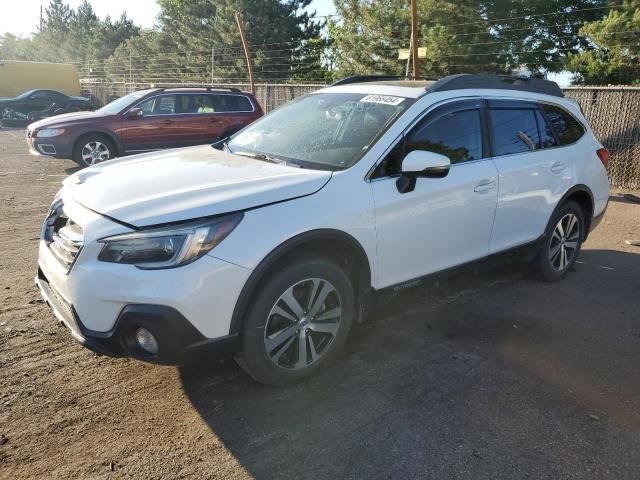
485 185
168 122
558 167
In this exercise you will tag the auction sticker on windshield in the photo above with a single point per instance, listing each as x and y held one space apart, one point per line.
386 99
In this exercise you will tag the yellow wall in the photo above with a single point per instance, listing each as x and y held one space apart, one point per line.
17 77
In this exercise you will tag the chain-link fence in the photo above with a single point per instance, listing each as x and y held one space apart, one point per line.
614 114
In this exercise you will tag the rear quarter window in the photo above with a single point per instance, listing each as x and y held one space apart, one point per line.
568 129
232 103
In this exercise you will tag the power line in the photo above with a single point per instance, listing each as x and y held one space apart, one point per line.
527 17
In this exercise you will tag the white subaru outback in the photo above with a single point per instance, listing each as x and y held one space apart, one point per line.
271 247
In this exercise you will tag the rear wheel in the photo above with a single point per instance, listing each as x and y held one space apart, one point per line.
299 321
93 149
564 236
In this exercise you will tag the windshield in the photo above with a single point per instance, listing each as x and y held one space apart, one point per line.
328 131
121 103
25 94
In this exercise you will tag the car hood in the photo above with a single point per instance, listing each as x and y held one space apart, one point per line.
67 119
187 183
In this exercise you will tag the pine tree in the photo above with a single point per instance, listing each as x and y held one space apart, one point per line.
194 34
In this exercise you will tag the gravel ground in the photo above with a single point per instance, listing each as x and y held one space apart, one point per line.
489 375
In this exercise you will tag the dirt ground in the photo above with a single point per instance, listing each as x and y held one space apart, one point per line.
490 375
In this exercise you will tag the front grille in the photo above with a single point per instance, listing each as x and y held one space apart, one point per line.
62 235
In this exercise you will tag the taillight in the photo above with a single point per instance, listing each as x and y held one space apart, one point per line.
603 155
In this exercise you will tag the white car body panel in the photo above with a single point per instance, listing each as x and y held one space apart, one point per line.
530 185
443 222
187 183
275 224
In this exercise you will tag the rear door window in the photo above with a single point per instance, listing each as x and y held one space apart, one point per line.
514 131
566 127
201 103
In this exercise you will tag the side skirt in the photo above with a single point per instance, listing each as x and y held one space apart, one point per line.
521 254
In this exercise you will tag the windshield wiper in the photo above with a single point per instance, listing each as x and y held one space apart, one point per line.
260 156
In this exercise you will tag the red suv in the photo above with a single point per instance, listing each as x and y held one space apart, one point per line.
142 121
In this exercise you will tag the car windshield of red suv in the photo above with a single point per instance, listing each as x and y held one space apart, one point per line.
121 103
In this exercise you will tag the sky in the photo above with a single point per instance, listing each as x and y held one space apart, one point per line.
22 20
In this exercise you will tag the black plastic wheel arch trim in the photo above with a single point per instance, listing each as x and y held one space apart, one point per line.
579 188
283 249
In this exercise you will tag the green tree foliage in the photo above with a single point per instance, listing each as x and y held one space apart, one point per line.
68 35
365 36
15 48
541 34
613 53
368 34
463 36
197 35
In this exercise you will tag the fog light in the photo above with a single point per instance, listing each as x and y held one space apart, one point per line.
146 341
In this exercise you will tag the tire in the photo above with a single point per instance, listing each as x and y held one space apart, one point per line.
88 144
561 247
6 113
280 347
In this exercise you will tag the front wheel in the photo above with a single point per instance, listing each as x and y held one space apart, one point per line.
6 113
93 149
299 321
564 236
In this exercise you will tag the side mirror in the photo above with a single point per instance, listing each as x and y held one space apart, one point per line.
421 163
134 113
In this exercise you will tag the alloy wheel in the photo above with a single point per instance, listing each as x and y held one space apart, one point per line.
95 152
303 323
564 242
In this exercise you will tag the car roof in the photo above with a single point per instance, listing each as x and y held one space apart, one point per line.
400 88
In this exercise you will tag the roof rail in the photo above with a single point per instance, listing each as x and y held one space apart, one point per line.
365 78
231 89
496 82
204 87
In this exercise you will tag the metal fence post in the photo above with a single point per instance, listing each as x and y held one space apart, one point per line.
213 60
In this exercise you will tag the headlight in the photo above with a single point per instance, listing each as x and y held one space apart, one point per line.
169 246
49 132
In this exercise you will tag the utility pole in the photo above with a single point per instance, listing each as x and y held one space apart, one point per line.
414 38
406 70
247 53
